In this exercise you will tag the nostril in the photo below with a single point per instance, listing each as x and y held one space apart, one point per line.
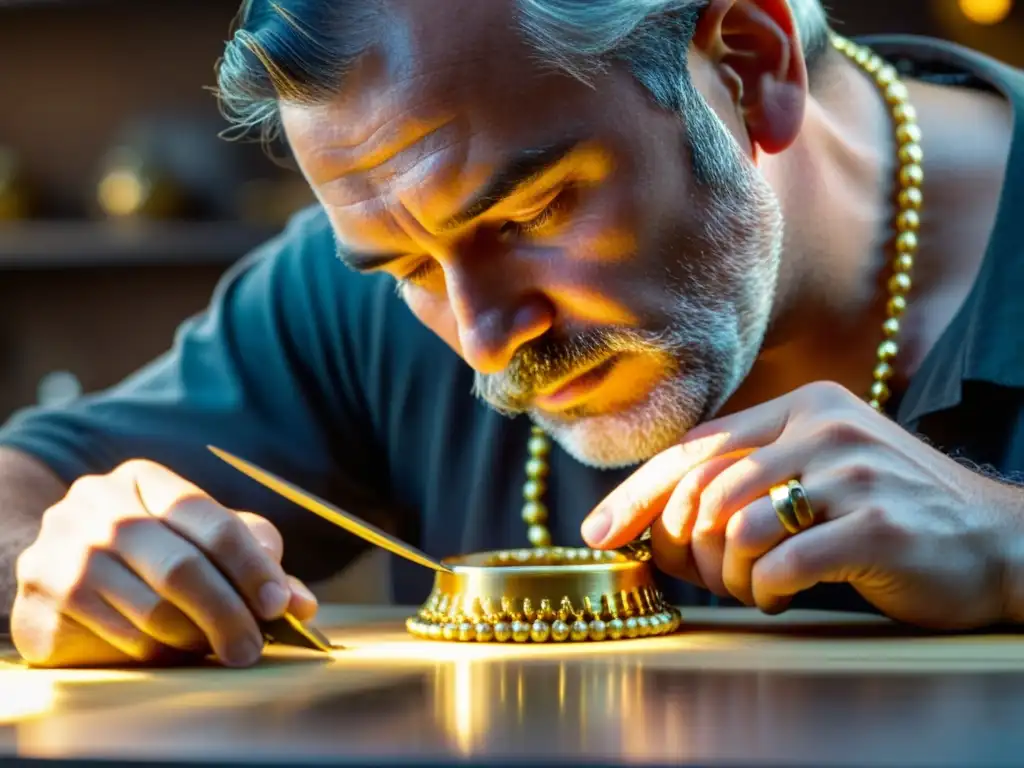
492 340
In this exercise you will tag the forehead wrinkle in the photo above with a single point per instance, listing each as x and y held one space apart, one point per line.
358 186
335 161
355 143
424 188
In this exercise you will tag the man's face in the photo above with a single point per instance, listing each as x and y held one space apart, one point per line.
553 234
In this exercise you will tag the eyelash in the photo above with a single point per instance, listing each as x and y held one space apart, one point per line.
551 211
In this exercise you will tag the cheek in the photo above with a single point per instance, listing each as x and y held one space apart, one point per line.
434 311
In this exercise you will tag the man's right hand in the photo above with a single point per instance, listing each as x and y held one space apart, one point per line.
141 566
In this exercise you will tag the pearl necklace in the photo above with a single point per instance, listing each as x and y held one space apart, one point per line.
908 221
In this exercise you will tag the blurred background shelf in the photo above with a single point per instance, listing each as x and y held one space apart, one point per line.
83 245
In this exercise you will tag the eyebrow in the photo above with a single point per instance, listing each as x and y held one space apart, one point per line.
365 262
522 169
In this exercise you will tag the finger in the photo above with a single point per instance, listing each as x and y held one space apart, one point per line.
670 538
150 613
304 604
749 534
631 508
180 572
45 637
751 477
829 552
91 611
671 533
733 488
68 579
265 532
219 533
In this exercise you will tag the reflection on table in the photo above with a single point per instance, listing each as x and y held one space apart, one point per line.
720 692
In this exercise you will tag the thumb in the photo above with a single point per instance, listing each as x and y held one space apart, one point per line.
265 533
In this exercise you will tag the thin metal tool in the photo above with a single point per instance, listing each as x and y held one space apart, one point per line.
328 512
288 630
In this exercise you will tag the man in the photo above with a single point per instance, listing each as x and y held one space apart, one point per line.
706 269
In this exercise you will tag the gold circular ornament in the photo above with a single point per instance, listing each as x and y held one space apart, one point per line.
545 595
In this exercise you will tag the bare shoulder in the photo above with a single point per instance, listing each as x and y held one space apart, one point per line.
966 137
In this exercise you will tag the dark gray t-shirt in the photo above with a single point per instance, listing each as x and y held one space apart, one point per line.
326 378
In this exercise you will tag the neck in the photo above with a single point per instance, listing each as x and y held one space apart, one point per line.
835 185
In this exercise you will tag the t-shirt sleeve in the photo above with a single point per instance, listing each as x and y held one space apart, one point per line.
269 371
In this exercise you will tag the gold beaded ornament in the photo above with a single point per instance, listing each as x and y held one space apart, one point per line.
544 595
511 596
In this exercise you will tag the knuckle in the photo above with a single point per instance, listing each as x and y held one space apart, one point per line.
713 499
875 518
73 587
180 571
133 467
76 599
880 527
791 565
162 620
858 477
223 536
155 613
840 432
264 532
128 526
826 393
741 534
87 486
27 571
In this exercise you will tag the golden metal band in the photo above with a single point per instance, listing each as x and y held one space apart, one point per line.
802 505
792 506
553 594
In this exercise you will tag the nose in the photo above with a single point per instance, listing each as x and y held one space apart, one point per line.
495 319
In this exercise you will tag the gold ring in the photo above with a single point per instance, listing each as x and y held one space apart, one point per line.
792 506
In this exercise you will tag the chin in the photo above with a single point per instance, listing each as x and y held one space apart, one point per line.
632 434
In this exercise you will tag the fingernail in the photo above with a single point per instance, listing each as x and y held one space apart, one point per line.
274 599
596 527
303 592
243 653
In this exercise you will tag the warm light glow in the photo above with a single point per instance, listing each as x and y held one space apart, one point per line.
26 698
986 11
30 693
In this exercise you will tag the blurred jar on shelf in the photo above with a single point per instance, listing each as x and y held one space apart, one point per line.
16 197
134 186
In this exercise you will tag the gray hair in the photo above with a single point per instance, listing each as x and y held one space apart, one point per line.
302 53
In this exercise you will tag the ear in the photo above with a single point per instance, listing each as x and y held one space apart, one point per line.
755 47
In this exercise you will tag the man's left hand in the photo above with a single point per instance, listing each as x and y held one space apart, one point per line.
921 537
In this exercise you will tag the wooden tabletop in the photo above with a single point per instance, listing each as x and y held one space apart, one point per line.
732 687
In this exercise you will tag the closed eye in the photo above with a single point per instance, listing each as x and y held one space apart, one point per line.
548 220
553 214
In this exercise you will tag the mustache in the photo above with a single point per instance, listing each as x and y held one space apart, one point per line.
555 358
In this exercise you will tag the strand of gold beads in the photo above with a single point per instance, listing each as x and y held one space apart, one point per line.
908 222
910 180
